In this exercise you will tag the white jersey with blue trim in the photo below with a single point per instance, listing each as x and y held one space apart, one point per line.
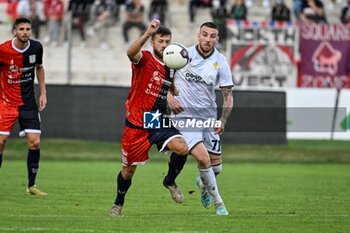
196 83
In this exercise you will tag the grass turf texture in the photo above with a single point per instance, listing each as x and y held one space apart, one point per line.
296 151
274 196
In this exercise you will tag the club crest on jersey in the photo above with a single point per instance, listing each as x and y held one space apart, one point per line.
216 65
32 59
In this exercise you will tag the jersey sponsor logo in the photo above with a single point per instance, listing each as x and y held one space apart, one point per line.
13 69
156 77
160 94
25 69
194 78
10 81
151 120
32 59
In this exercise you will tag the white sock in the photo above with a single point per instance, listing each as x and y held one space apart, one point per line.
209 182
217 168
201 185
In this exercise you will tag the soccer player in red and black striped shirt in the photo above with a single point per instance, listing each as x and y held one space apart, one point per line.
20 61
151 81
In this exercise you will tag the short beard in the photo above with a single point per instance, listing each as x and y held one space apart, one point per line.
206 51
22 41
158 54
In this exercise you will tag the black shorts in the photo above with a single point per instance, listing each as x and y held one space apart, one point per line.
161 137
29 120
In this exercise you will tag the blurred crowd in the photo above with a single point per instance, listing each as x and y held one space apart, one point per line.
92 18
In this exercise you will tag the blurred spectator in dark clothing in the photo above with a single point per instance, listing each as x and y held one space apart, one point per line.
80 10
220 16
54 12
239 11
116 10
194 4
345 14
313 10
280 11
134 18
157 10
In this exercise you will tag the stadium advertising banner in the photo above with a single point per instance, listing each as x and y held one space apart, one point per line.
325 56
263 54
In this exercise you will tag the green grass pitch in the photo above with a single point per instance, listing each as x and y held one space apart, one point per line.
273 196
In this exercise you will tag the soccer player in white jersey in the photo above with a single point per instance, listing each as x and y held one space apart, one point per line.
196 85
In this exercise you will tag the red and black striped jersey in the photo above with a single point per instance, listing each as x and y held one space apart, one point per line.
149 88
17 72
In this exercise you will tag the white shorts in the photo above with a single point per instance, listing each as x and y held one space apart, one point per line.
210 139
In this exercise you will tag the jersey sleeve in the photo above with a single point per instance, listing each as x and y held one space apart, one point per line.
39 60
143 59
225 77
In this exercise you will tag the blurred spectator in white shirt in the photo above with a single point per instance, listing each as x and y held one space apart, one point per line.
34 11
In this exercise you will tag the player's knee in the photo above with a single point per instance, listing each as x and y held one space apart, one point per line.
215 160
34 144
178 146
128 172
203 161
181 149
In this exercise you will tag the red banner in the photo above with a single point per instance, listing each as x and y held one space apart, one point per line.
325 56
262 54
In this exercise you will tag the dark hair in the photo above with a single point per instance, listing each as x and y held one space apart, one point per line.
162 31
210 25
18 21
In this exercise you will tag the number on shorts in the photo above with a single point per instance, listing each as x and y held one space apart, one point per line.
216 145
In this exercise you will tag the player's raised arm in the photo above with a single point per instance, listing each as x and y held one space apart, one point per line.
134 52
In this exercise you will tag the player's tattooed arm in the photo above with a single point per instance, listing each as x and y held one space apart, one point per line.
228 103
226 108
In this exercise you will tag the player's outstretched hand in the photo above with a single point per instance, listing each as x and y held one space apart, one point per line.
153 26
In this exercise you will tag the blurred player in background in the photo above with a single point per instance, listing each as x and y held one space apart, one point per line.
151 81
196 83
20 60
